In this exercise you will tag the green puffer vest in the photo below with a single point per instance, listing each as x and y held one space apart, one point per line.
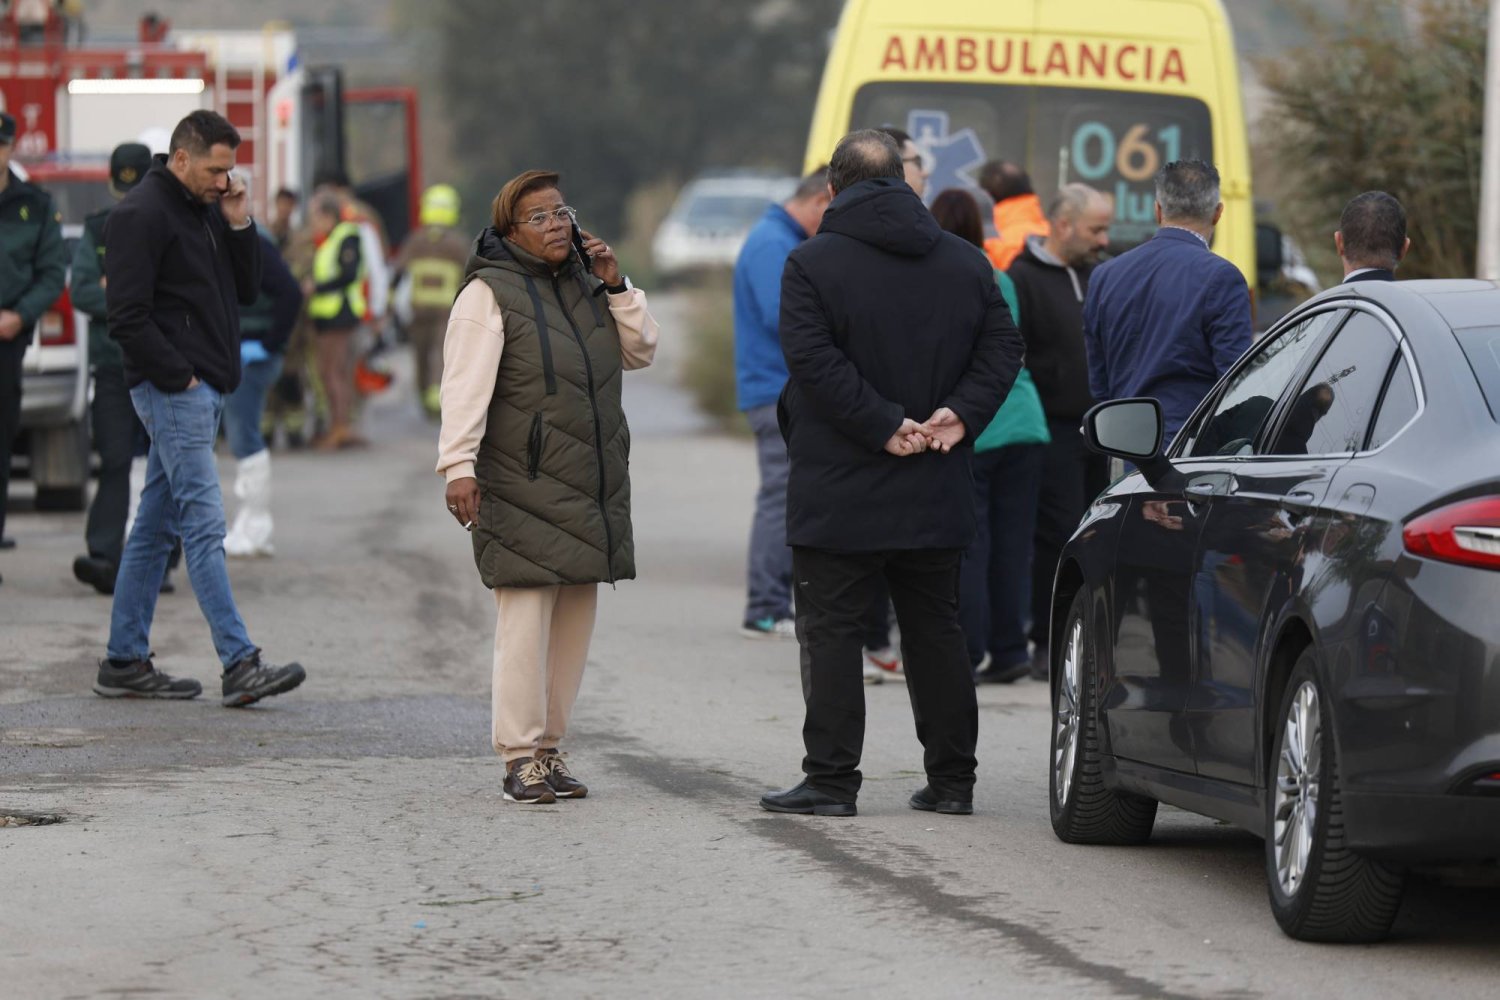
553 467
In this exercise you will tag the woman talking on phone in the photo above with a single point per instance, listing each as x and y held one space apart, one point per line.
534 448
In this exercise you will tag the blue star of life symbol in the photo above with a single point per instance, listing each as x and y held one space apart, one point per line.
949 157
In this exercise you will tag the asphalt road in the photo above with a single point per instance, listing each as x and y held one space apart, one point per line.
350 839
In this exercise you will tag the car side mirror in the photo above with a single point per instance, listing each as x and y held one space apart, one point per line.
1125 428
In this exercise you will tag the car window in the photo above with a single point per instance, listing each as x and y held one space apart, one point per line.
1398 406
1252 391
1481 346
1333 407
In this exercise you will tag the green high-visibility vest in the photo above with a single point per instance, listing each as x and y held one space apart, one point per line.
327 267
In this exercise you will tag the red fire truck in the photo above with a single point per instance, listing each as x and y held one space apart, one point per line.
74 103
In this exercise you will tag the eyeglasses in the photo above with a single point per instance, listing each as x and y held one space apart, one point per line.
565 215
915 158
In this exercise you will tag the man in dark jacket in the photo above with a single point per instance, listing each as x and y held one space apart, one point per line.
1371 238
181 257
1168 318
886 321
1051 276
33 266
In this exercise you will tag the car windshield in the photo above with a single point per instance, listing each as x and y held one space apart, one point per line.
1110 140
725 211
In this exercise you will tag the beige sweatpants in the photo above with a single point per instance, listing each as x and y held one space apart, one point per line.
541 642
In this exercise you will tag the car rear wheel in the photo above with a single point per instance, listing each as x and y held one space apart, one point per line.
61 497
1320 890
1083 810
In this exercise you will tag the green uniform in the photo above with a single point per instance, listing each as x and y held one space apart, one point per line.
33 259
87 290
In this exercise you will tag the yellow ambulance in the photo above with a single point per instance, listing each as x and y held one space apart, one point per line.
1098 91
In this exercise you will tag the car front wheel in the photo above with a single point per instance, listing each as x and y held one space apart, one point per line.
1084 810
1320 890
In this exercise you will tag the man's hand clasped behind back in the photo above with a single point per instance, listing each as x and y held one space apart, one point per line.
941 432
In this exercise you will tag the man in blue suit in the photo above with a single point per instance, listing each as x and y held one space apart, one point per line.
1371 239
1168 318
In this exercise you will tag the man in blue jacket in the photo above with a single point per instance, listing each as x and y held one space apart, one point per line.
1168 318
760 372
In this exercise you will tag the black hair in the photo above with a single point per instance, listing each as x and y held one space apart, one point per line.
201 131
1374 228
1002 180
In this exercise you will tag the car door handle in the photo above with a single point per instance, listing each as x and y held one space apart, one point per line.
1299 503
1200 491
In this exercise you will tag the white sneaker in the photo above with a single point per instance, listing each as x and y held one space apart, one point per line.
886 662
873 674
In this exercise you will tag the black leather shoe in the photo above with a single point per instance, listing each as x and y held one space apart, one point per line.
96 572
806 800
1002 675
926 800
7 542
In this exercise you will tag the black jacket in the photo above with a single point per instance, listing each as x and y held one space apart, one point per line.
177 275
1050 297
885 316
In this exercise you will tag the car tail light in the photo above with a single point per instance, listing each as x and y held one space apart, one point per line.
55 328
1467 533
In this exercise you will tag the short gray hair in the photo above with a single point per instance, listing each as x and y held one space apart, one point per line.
1188 190
1071 201
863 155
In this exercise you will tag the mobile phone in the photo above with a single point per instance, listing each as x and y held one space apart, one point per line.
588 262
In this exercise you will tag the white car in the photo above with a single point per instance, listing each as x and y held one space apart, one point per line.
711 218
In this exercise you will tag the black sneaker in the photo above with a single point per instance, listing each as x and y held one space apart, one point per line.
252 679
559 778
96 572
526 783
140 679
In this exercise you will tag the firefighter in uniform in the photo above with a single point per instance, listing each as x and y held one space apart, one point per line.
432 260
33 268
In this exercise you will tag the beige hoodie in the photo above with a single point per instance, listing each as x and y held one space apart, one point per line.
472 348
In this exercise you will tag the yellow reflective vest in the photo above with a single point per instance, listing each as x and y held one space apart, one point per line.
328 266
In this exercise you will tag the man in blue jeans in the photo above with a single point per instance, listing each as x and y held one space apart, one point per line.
181 254
760 373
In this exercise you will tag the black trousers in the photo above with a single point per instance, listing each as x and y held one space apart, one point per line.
835 591
118 436
11 352
1071 478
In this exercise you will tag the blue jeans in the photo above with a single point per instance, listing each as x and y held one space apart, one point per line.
994 602
181 497
769 566
244 406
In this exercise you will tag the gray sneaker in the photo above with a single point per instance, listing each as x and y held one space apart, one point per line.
141 680
252 679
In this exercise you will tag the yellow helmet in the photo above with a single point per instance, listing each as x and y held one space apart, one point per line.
440 206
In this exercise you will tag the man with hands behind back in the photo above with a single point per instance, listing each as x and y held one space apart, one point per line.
900 350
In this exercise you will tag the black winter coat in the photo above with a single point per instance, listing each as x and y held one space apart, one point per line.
1050 297
885 316
177 275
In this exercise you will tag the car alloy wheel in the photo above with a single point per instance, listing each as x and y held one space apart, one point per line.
1066 714
1295 805
1083 808
1320 889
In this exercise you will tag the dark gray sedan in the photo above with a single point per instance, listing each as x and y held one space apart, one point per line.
1290 620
